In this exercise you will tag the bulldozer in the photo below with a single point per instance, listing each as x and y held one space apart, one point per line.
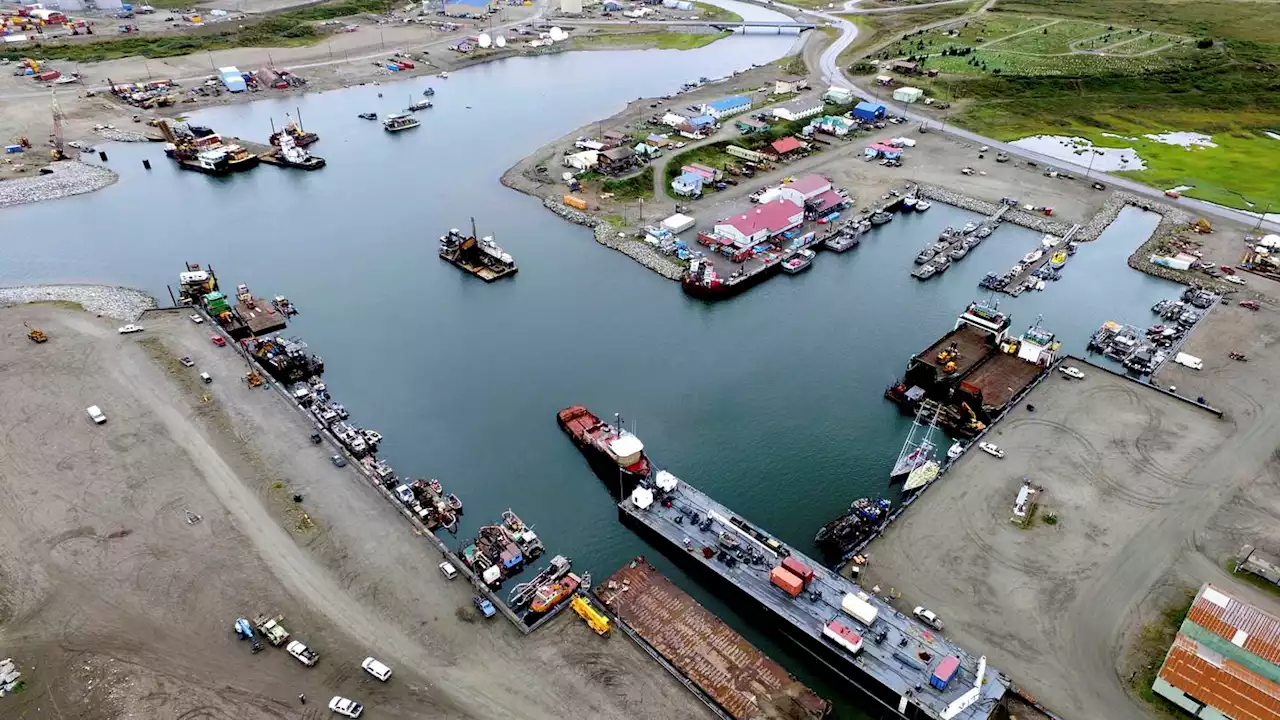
37 335
949 354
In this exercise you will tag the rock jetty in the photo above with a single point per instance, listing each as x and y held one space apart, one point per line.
605 234
120 303
1017 217
117 135
63 179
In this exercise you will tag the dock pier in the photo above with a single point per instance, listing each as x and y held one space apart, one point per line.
1016 286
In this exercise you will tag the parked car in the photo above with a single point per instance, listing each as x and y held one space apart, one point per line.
376 669
219 341
928 617
304 654
195 318
187 362
1071 372
127 329
484 606
338 460
206 377
448 570
343 706
1235 280
95 412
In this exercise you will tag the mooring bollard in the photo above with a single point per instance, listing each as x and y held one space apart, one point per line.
146 164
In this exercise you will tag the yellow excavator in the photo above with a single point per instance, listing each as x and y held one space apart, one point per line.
596 620
36 335
253 378
975 424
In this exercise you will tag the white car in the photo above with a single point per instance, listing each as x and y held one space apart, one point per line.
991 449
196 318
343 706
376 669
928 617
1071 372
448 569
96 413
130 329
1235 280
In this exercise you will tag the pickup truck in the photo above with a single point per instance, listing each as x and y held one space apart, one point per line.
304 654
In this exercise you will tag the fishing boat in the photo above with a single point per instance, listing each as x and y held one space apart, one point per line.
983 232
799 261
941 263
511 521
948 234
1058 260
924 272
881 218
909 462
282 304
1040 285
925 255
290 155
429 92
991 449
922 205
968 228
958 251
1032 256
909 203
553 593
941 247
614 452
301 137
845 536
455 503
448 519
368 116
1072 247
396 123
921 476
373 437
209 162
436 488
419 105
957 449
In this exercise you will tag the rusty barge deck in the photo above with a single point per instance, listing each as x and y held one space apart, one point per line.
1001 379
732 672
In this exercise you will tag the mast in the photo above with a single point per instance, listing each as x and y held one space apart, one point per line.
473 226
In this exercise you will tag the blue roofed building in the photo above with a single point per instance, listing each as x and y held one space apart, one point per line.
869 111
702 122
723 107
467 7
687 184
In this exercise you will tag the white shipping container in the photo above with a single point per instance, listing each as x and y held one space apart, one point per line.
859 609
678 223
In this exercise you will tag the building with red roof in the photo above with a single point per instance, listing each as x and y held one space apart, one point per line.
761 222
785 146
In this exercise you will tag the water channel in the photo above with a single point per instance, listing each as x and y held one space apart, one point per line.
770 402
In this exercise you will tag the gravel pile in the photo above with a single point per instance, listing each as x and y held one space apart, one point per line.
67 178
1038 223
637 250
120 303
121 135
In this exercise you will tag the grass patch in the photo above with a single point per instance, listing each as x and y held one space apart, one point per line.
876 30
1206 18
60 304
1050 518
714 12
1152 646
1053 39
636 187
290 28
656 39
1259 582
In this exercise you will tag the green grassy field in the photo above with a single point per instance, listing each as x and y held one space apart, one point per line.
875 30
658 39
636 187
714 12
1250 21
1053 39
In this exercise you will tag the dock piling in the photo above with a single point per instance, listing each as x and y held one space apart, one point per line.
146 164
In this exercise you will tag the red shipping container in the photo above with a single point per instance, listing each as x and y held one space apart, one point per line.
784 579
799 569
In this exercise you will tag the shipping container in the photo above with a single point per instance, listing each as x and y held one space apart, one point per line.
944 672
799 569
784 579
841 635
859 609
574 201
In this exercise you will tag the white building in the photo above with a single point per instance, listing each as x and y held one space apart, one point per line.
798 109
585 160
572 7
675 120
761 222
908 94
838 95
789 84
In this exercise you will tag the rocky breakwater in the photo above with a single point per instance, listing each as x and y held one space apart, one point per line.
110 301
605 234
1039 223
61 179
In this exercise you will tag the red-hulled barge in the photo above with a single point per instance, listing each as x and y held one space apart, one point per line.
614 453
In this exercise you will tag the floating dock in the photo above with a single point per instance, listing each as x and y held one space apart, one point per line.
739 679
905 668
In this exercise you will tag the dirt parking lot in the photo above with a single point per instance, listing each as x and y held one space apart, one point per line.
114 605
1133 477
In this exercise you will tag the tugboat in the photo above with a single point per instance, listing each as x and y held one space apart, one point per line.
881 218
798 262
368 116
616 455
480 257
842 537
396 123
290 155
554 592
282 304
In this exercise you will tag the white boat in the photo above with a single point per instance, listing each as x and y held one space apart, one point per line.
909 203
798 262
1039 284
991 449
396 123
1032 256
969 227
922 205
921 476
444 75
957 449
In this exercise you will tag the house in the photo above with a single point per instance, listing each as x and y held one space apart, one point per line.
613 138
908 94
703 123
868 111
760 223
906 67
617 160
884 80
798 109
585 160
687 185
786 146
723 107
883 150
706 171
658 141
1224 660
749 125
838 95
789 84
833 125
646 152
675 120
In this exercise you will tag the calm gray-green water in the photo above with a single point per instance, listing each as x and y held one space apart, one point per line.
770 401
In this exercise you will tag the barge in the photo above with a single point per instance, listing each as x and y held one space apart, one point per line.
726 669
939 369
992 386
905 669
479 256
614 453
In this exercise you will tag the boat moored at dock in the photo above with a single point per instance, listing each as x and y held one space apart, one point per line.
615 454
293 155
845 536
798 262
924 272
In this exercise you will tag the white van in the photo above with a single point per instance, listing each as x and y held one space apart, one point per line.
1190 361
376 669
96 413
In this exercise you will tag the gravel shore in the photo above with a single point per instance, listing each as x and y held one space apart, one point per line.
605 234
120 303
65 178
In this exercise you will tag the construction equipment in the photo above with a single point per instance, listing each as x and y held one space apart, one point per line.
35 334
59 152
253 378
272 629
949 354
596 620
974 424
1202 226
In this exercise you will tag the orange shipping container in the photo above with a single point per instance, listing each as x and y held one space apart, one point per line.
574 201
785 579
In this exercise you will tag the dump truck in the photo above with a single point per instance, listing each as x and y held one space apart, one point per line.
272 629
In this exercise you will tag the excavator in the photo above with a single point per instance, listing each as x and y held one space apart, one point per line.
36 335
253 378
596 620
974 423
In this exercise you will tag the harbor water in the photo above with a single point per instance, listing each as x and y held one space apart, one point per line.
769 402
